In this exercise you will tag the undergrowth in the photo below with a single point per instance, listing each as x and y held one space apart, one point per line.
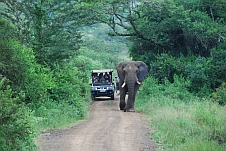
16 123
52 115
182 122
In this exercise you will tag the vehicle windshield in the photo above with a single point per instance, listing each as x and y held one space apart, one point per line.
100 77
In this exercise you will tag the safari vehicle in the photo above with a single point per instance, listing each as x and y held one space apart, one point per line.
102 84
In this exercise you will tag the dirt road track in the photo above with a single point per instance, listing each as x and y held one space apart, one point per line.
107 129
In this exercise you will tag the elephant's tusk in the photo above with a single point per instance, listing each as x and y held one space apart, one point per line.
123 85
138 82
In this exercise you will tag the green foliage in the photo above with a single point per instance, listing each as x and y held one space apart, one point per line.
49 27
57 97
216 67
15 59
175 27
207 74
7 30
204 74
207 32
88 59
181 120
71 84
16 123
166 66
178 30
220 95
176 90
54 115
19 66
214 8
68 99
182 41
103 48
38 81
197 74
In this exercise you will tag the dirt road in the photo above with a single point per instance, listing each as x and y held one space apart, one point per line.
108 129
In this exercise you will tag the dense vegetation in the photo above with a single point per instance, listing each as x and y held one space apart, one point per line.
48 47
45 68
182 121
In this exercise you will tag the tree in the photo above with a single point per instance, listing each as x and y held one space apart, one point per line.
15 59
180 29
48 26
167 26
16 130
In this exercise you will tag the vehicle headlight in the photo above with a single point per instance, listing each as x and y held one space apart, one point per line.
110 88
93 88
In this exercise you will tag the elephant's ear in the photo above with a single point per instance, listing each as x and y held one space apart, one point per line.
143 71
120 70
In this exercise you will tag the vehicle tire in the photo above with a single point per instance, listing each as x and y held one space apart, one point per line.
93 97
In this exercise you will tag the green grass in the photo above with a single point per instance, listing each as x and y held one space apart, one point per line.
182 122
54 115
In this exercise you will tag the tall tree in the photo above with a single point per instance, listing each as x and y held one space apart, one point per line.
170 26
48 26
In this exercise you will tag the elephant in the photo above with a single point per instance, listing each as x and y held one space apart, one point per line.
131 75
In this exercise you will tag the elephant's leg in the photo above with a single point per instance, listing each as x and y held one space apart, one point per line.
122 103
129 106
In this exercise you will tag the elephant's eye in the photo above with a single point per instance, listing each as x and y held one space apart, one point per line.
124 72
137 71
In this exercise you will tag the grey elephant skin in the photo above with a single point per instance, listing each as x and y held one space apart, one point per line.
131 74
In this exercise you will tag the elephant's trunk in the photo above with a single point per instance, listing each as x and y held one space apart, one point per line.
131 96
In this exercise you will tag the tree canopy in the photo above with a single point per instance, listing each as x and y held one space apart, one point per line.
50 27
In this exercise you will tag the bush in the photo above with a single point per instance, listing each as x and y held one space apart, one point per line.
217 67
70 86
220 95
37 82
16 129
176 90
68 99
16 60
19 66
54 115
164 67
197 74
181 121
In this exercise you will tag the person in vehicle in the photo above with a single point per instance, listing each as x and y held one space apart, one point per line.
106 76
102 79
100 75
117 83
96 80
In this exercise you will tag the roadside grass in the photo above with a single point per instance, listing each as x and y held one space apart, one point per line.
109 103
52 115
181 121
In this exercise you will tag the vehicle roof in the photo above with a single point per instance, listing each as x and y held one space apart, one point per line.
102 70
